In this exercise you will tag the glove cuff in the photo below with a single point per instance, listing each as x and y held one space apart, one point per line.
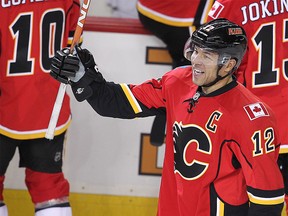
82 93
82 89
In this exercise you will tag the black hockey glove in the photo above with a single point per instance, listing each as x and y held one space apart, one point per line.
81 84
64 66
78 70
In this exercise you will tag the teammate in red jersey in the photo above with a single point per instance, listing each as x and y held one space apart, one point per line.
172 21
30 32
222 142
264 70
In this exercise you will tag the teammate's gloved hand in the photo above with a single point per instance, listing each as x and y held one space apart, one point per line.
79 70
81 82
64 66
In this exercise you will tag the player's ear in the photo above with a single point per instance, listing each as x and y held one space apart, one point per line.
230 65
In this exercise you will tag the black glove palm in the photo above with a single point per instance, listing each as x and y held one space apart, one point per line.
77 70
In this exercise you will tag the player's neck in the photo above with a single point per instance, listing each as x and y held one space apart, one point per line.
218 85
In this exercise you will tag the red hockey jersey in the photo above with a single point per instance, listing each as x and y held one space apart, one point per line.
31 32
226 130
221 148
264 71
176 12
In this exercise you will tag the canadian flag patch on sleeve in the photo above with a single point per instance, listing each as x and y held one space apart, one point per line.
256 110
216 10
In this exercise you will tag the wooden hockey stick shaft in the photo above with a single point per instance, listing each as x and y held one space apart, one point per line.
62 89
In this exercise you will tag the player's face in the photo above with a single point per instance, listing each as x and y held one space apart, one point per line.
204 64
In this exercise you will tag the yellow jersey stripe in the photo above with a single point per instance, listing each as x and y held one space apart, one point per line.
283 149
132 100
35 134
70 39
184 22
266 201
220 208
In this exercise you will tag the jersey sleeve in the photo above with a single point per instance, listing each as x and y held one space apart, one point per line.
127 101
257 151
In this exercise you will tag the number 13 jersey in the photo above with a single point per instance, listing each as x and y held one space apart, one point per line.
264 70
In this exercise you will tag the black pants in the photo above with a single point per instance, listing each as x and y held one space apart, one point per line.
40 155
283 165
174 38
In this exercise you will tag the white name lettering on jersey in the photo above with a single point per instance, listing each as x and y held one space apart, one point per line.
259 10
10 3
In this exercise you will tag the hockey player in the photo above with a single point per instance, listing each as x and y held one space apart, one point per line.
222 141
30 34
264 70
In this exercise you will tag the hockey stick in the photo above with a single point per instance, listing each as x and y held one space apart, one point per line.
62 89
